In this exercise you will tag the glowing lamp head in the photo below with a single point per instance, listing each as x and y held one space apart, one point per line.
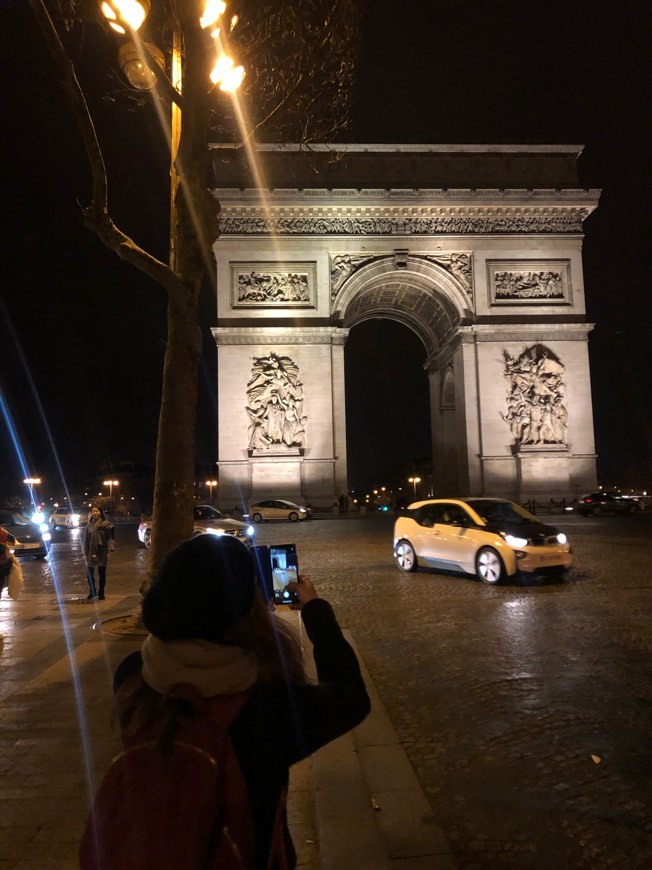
212 12
228 79
121 12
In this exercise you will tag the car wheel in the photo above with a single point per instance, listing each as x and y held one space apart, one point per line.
293 517
406 558
257 518
597 511
147 539
489 566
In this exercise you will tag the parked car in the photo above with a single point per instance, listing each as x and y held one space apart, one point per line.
31 539
207 521
490 537
64 518
597 503
277 509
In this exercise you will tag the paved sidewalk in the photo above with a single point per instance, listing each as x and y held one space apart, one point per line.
355 804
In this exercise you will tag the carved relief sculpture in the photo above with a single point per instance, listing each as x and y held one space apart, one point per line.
275 404
343 266
534 282
272 285
536 413
320 226
529 285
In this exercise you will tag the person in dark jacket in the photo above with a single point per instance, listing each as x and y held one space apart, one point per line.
98 542
210 626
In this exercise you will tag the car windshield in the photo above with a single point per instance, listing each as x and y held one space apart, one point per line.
499 512
206 512
14 520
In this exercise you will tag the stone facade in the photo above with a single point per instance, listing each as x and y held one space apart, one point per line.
490 279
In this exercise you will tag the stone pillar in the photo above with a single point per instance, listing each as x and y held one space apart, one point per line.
252 465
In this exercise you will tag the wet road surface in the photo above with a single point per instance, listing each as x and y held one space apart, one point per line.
524 708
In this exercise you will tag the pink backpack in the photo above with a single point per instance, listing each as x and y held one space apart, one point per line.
184 807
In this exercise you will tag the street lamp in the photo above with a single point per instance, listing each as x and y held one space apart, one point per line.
31 482
143 64
210 484
111 484
414 481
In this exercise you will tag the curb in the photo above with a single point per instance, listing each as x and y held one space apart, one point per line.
371 811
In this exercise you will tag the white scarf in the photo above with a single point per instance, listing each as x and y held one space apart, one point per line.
215 669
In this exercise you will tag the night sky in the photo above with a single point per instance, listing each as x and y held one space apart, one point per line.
82 334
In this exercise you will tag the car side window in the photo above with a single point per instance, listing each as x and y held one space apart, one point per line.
454 515
429 515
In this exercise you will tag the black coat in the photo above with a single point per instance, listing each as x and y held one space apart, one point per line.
283 723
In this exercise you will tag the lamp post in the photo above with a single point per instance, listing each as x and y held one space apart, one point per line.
414 481
142 64
31 482
111 484
210 484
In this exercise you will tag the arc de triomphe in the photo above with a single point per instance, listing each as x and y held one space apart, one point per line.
475 248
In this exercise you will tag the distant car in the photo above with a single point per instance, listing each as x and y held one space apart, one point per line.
277 509
31 539
64 518
598 503
637 501
207 521
489 537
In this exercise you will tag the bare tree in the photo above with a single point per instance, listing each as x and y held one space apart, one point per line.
300 60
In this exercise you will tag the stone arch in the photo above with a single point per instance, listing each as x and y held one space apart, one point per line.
422 296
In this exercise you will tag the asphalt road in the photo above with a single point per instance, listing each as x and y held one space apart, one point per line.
524 708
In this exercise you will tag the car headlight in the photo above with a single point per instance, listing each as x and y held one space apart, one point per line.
251 531
38 517
302 510
218 532
75 519
561 538
44 527
512 541
47 536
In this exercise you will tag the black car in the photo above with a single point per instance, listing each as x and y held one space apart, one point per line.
30 539
597 503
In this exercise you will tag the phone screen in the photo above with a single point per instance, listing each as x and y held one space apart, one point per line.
285 569
263 571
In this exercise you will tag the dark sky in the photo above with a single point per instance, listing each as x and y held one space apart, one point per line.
82 334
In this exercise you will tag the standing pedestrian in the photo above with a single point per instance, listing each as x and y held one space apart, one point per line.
211 627
99 541
9 565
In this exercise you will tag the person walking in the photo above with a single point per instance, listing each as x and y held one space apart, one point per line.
99 541
211 627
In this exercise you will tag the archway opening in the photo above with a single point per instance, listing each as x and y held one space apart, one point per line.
388 433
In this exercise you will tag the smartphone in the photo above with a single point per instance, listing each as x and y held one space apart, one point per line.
264 571
276 566
285 569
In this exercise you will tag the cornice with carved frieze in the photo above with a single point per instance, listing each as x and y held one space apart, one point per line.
390 222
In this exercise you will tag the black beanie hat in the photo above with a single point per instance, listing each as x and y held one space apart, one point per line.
204 587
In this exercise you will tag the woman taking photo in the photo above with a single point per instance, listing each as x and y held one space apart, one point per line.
98 543
211 627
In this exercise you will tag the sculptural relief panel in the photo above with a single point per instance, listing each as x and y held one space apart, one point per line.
273 285
275 406
372 226
536 413
537 282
